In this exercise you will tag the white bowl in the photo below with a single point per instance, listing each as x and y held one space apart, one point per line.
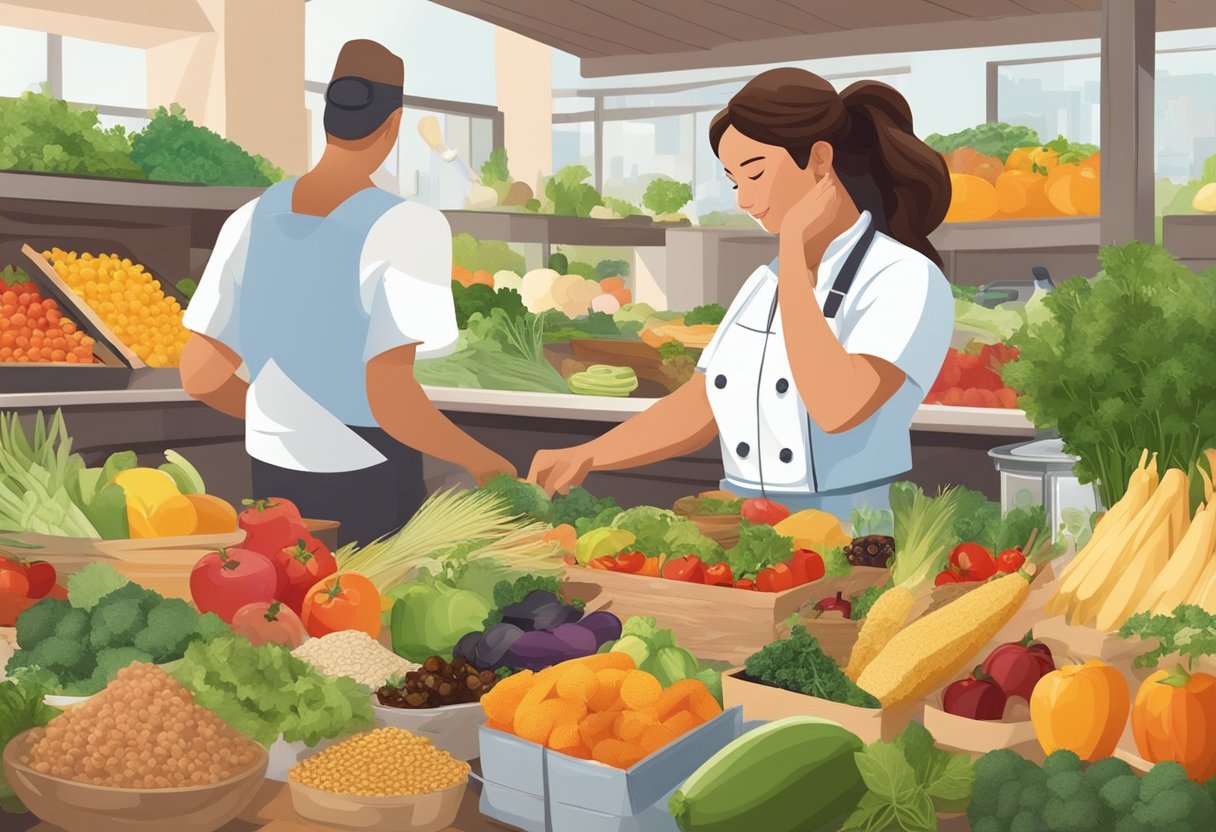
64 702
452 728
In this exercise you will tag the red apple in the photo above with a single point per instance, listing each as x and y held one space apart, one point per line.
222 582
976 697
1018 666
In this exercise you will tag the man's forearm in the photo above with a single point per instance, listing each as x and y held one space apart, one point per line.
412 419
228 398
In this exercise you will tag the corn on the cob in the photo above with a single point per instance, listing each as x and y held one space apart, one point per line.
1180 576
931 650
881 623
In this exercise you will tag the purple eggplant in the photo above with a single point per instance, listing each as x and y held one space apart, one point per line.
537 650
467 648
551 616
605 626
495 643
578 638
523 613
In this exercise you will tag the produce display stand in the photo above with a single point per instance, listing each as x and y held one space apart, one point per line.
713 622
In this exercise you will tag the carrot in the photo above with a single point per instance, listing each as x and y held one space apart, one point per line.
629 725
682 722
611 284
503 699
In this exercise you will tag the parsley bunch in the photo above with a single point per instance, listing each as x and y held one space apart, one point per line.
1189 631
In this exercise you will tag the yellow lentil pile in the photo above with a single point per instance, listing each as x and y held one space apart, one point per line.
142 732
129 300
386 762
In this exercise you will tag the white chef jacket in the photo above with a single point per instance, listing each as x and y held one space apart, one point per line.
405 287
899 308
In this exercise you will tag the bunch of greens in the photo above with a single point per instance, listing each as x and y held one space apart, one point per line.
172 148
710 313
716 506
867 521
977 519
666 196
580 504
1190 631
495 169
507 593
523 499
863 601
659 531
481 299
995 139
611 268
560 328
485 255
38 476
1012 794
678 364
759 546
1113 389
21 708
836 564
78 646
47 135
799 664
267 693
908 782
496 352
655 651
622 208
570 194
924 531
1070 153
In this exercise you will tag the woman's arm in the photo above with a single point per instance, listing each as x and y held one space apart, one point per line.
679 423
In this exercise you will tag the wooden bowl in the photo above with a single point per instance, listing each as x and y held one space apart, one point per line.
83 807
416 813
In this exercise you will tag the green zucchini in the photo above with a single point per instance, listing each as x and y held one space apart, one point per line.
793 775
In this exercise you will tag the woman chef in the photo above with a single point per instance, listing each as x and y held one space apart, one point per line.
812 379
326 289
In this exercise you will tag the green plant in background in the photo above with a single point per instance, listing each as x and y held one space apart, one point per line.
622 208
494 170
570 194
997 139
46 135
172 148
611 268
1123 363
666 196
488 255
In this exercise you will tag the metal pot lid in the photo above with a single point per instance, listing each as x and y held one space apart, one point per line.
1042 452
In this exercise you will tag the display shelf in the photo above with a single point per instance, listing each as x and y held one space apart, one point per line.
130 193
634 232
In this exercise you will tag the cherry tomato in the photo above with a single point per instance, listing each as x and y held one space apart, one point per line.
15 583
41 576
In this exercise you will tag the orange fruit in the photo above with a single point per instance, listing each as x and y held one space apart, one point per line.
175 517
215 516
972 199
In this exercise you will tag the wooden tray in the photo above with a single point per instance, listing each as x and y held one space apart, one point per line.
713 622
643 358
107 343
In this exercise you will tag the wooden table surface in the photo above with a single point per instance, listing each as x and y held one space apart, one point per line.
271 811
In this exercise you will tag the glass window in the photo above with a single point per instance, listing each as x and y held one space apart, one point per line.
574 144
102 73
24 52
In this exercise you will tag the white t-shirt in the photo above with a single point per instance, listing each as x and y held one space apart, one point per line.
405 285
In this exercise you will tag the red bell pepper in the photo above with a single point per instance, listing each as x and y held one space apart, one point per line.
776 578
763 512
1010 560
720 574
688 569
745 583
974 561
807 567
271 526
607 563
630 562
946 577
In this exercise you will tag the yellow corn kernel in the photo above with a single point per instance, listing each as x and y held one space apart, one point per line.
883 621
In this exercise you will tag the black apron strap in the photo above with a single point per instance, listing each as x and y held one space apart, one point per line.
844 280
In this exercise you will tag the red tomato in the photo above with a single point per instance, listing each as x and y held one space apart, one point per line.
746 583
262 622
807 566
298 568
776 578
688 569
974 561
1010 560
271 526
631 562
42 577
946 577
12 606
346 601
13 582
222 582
719 574
763 512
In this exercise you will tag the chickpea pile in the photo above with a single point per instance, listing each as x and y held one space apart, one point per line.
386 762
129 300
142 732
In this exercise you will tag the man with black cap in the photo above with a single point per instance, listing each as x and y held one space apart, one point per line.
316 301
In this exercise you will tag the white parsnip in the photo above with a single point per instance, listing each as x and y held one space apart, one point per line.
1178 579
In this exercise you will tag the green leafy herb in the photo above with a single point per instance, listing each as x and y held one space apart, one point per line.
1190 631
481 299
867 521
569 193
976 519
1112 391
578 503
835 564
964 292
21 708
995 139
47 135
924 528
1070 153
611 268
667 196
623 208
496 352
671 350
521 497
507 593
495 169
486 255
265 692
863 601
711 313
714 507
759 546
173 148
799 664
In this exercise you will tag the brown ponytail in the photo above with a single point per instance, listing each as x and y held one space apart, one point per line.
885 168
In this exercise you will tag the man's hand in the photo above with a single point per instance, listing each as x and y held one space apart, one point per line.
489 465
560 470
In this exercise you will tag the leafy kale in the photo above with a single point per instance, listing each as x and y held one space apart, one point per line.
1017 525
480 298
583 270
799 664
172 148
578 503
1112 391
21 708
1190 631
46 135
710 313
667 196
560 328
977 520
569 193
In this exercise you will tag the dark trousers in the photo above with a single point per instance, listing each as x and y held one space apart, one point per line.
369 503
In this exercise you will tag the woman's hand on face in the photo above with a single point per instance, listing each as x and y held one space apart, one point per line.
560 470
812 214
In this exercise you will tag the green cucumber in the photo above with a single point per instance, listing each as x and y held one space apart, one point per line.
793 775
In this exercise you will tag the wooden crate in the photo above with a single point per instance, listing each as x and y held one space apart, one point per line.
713 622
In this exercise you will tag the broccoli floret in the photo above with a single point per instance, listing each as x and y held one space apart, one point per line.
992 772
1162 777
171 626
1167 810
32 677
1027 820
521 497
59 655
38 623
1034 797
91 584
113 659
1121 793
1066 785
1129 823
115 621
986 824
1103 771
74 625
1079 813
1008 800
210 626
1061 762
577 503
